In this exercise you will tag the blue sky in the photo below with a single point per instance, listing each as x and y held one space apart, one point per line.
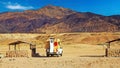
104 7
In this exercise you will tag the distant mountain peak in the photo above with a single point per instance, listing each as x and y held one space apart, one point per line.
52 19
55 11
52 7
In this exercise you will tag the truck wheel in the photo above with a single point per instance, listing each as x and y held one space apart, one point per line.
52 55
60 54
47 55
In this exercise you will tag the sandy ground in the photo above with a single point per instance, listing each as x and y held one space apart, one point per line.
80 54
74 56
61 62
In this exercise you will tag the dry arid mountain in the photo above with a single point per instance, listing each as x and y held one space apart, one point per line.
53 19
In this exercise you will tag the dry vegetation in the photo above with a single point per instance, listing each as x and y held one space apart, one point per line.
81 50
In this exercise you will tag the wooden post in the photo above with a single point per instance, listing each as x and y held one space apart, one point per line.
9 47
15 47
33 52
109 45
106 52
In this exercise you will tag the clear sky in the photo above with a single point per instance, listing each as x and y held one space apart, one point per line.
104 7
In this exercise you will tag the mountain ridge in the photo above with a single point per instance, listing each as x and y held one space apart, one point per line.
54 19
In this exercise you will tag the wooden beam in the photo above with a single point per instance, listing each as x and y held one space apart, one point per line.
9 47
15 47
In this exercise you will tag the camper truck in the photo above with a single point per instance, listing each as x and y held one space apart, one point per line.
53 47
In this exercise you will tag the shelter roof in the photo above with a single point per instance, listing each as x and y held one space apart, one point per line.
113 40
17 42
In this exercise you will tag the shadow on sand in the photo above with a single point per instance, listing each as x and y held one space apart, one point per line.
92 56
42 56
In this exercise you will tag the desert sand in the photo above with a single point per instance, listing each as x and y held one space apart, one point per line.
80 50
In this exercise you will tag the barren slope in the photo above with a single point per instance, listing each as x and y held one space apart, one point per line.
53 19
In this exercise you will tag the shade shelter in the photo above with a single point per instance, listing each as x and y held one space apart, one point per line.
112 52
21 53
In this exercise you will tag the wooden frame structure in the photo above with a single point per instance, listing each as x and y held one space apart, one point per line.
107 51
20 52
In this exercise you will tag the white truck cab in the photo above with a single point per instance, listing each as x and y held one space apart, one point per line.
54 48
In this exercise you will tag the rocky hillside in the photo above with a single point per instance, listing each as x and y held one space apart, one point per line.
53 19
